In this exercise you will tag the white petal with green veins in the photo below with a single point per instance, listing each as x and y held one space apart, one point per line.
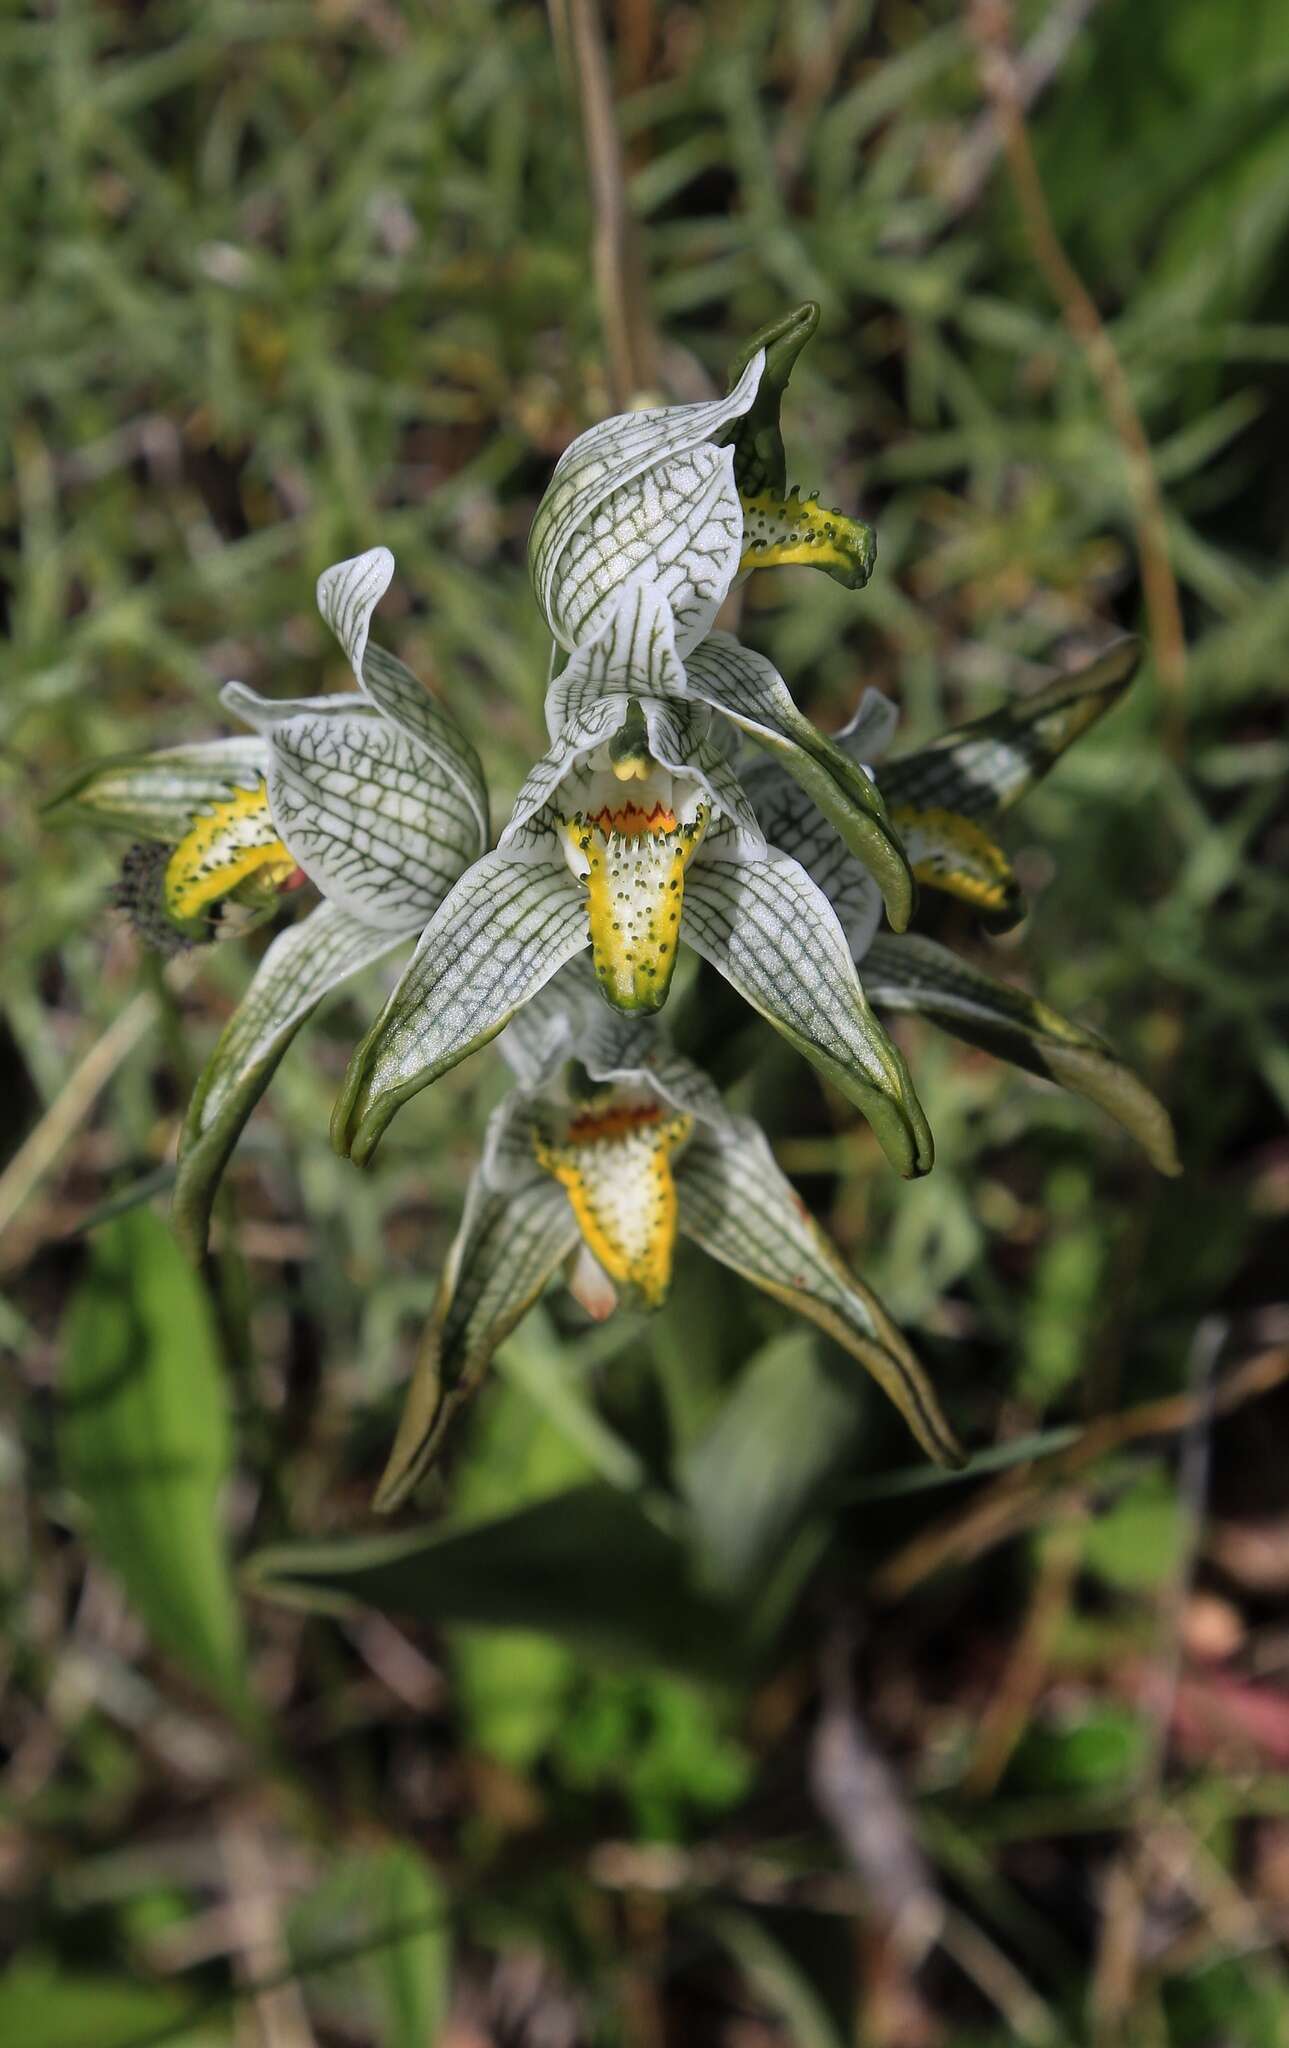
157 795
775 938
302 965
507 926
376 825
506 1250
642 491
914 973
792 821
738 1206
635 656
348 593
753 695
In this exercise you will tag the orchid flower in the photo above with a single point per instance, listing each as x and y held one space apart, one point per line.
687 496
374 797
609 1145
944 798
631 834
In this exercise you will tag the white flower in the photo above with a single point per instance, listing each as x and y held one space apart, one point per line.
375 797
610 1145
631 835
683 498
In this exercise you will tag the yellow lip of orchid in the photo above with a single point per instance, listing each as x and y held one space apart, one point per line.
614 1163
232 842
632 856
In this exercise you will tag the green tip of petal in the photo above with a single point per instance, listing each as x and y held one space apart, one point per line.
759 460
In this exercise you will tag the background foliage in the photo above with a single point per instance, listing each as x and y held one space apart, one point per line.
986 1761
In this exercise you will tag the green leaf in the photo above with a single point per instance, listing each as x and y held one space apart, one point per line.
806 1999
41 2007
785 1429
913 973
143 1439
587 1567
1136 1544
391 1903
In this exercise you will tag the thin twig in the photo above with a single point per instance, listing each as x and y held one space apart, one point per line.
630 350
990 23
1013 1501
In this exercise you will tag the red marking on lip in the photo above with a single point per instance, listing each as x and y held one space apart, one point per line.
631 821
612 1123
295 880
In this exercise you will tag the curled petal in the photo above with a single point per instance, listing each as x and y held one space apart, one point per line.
756 436
505 929
738 1206
917 974
157 795
751 693
635 656
642 492
775 938
348 594
507 1249
303 964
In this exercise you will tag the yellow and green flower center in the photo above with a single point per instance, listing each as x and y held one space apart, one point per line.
779 532
615 1166
632 857
228 847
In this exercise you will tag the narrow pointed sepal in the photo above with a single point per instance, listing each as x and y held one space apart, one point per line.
750 692
738 1206
916 974
760 464
157 795
302 966
980 769
508 1247
777 940
503 931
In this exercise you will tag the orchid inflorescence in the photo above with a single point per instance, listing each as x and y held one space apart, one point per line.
683 800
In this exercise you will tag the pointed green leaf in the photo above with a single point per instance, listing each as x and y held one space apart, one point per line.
643 494
157 795
386 1914
751 693
741 1209
506 1250
776 939
979 769
914 973
505 929
371 820
303 964
348 594
143 1439
587 1567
